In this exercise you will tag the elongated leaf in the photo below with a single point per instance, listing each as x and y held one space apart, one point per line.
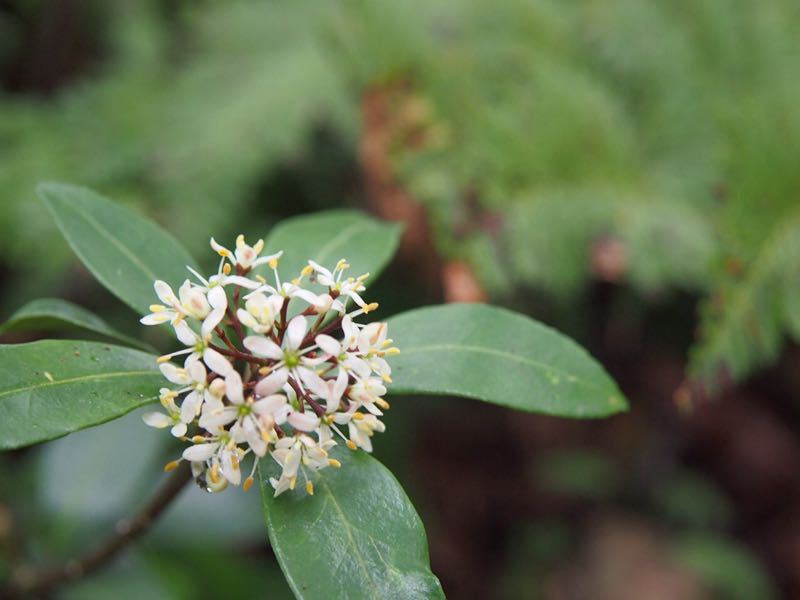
53 387
358 536
368 244
52 314
493 354
124 251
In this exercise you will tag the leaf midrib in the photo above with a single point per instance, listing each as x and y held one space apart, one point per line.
339 239
81 379
508 355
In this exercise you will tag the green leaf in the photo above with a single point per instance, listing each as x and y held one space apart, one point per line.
54 387
325 237
358 536
492 354
124 251
52 314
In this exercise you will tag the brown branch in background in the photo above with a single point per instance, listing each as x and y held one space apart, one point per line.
26 580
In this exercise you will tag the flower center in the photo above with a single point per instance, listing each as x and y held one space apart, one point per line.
291 358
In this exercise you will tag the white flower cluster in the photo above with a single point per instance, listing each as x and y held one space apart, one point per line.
255 381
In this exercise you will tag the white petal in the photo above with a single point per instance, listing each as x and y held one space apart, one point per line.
185 334
258 344
165 293
272 383
247 319
270 404
179 430
313 382
328 344
175 374
217 297
305 421
196 369
233 388
156 419
231 472
157 318
243 282
200 451
296 331
216 362
213 319
190 407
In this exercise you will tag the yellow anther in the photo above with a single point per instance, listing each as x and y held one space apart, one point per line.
310 488
351 444
334 463
370 307
224 253
235 462
214 473
382 403
392 351
240 240
178 319
362 278
171 466
198 439
358 416
342 265
157 308
163 359
259 246
296 281
261 278
264 370
292 483
386 343
386 378
273 263
227 269
307 270
248 483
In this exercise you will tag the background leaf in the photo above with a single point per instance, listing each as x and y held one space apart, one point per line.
53 387
53 314
124 251
368 244
357 537
493 354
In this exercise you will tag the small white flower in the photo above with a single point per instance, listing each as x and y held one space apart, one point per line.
260 312
361 430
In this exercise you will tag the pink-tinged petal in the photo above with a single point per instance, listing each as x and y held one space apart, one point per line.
233 388
272 383
296 331
165 293
305 421
258 344
200 452
328 344
216 362
156 419
175 374
185 334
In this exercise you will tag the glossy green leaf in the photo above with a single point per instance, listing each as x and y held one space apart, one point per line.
124 251
492 354
53 387
325 237
358 536
53 314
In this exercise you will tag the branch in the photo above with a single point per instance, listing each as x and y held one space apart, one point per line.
27 580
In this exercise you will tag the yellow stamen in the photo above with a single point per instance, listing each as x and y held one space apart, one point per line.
292 483
358 416
382 403
386 378
392 351
273 263
264 370
351 444
370 307
310 488
261 278
163 359
248 483
259 246
171 466
157 308
198 439
235 462
214 473
334 463
296 281
307 270
227 269
239 240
